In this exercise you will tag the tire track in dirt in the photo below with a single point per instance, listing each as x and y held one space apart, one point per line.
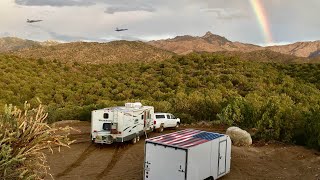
78 162
119 150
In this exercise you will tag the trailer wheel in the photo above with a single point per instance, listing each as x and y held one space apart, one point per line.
134 140
209 178
138 138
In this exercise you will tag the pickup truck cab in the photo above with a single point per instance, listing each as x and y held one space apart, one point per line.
165 120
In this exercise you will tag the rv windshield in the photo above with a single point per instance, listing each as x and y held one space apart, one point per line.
106 126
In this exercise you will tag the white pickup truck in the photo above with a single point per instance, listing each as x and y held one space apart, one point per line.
165 120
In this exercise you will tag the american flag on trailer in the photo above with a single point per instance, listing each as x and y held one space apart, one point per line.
185 139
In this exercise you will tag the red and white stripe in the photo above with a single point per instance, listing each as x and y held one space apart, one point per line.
183 139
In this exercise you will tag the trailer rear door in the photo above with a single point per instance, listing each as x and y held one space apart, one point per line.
163 162
222 157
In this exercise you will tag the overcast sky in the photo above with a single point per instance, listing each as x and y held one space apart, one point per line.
95 20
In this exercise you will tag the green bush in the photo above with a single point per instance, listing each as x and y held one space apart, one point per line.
312 129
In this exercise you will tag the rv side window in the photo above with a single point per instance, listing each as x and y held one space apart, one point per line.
106 126
105 115
160 117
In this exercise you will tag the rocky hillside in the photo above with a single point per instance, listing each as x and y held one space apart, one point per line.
207 43
213 43
266 55
13 44
301 49
97 53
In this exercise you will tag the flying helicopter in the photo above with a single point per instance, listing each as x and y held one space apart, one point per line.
33 21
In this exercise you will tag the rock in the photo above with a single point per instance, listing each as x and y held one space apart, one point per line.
239 137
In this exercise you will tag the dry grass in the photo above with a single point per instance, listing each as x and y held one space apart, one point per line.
24 135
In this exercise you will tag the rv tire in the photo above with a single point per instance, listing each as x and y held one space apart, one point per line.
138 138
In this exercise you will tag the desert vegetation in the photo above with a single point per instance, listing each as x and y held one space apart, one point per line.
281 101
24 137
97 53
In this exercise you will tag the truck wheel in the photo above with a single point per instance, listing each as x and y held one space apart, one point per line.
177 126
134 140
160 130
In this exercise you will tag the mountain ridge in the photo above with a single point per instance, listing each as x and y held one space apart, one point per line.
97 53
214 43
136 51
208 43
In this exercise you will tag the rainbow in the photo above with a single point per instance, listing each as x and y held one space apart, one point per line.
262 18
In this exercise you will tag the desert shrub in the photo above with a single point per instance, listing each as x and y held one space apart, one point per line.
312 129
278 119
238 112
24 135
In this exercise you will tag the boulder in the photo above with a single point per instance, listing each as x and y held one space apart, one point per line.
239 137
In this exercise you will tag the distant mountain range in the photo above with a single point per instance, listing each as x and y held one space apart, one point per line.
207 43
137 51
14 44
300 49
215 43
96 53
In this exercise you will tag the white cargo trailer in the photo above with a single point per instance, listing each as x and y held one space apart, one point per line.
120 124
187 155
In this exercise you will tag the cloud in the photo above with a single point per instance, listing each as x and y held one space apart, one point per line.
63 37
122 8
57 3
226 14
290 20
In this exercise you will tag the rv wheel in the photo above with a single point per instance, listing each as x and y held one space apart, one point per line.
138 138
134 140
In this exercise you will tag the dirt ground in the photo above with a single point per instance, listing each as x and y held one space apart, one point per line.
85 160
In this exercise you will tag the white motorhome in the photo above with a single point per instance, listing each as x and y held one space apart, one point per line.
187 155
120 124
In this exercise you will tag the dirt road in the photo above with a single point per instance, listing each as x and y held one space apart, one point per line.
125 161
